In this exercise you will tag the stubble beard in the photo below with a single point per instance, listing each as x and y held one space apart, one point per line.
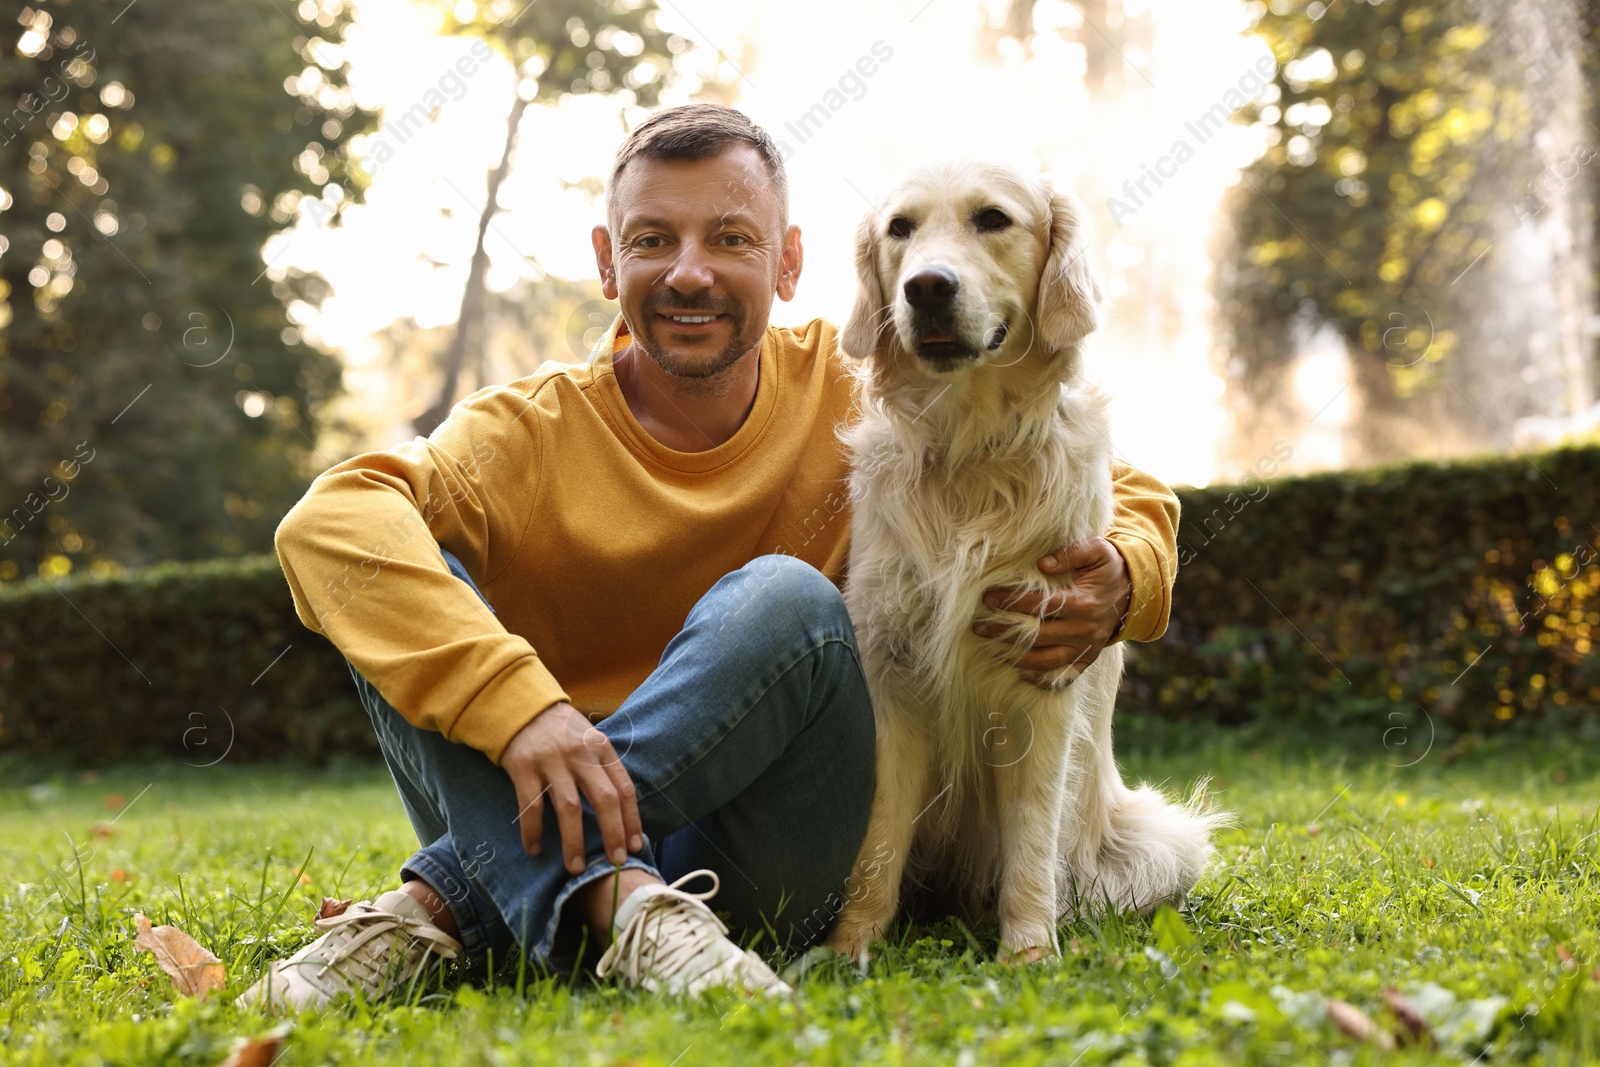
694 370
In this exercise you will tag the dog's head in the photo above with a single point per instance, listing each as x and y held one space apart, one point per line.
972 264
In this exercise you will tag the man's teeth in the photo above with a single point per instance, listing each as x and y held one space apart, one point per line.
691 318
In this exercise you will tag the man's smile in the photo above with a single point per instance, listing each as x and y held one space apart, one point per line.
690 322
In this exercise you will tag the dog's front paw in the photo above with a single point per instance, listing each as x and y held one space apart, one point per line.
864 919
853 931
1023 956
850 939
1026 942
857 928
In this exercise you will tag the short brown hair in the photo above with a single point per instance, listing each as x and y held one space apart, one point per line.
701 131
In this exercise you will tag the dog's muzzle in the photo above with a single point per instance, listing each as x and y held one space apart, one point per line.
931 295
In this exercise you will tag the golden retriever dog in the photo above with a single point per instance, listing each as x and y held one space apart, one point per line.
981 448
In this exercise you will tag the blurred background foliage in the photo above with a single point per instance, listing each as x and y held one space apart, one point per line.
149 154
1424 159
1419 161
151 151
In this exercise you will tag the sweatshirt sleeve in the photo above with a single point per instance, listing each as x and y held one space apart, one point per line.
361 553
1144 528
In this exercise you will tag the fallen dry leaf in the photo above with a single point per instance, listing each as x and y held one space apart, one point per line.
194 971
256 1051
103 830
1355 1022
331 907
1568 960
1416 1027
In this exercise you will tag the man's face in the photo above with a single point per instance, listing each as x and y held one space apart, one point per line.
698 251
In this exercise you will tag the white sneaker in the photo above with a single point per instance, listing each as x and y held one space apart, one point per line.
372 948
668 941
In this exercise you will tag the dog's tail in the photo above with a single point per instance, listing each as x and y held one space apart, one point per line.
1151 849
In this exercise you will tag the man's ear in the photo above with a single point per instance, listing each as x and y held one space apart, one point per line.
1069 291
600 237
793 259
863 331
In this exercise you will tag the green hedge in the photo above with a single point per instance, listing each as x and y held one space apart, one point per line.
1390 606
177 660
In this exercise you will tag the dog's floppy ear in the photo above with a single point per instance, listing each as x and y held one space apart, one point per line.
863 331
1069 291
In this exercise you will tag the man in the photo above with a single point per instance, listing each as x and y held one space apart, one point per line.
595 617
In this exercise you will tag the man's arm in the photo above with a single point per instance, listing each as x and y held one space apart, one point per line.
1144 531
1122 582
361 554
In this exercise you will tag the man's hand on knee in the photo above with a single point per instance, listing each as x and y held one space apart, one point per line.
560 753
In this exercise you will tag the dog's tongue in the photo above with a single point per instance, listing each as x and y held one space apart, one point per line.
936 339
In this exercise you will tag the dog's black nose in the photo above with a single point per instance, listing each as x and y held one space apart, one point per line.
931 288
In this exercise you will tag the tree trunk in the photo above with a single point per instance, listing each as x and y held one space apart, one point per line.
469 335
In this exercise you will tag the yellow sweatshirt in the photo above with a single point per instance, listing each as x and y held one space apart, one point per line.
592 540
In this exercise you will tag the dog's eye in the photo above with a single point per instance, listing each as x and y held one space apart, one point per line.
900 227
991 219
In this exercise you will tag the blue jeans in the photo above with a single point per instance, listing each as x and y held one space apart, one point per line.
750 745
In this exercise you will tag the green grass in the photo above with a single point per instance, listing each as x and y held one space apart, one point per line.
1465 885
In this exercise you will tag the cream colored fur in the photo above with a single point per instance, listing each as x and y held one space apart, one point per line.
963 478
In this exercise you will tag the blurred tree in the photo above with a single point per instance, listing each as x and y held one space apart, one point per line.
1116 36
1420 170
158 401
534 321
1589 51
560 48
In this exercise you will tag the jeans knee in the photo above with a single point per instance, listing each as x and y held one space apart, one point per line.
787 583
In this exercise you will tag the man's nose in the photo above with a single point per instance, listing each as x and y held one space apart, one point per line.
690 271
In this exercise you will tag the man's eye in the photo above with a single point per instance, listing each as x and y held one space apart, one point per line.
991 220
732 239
901 227
651 241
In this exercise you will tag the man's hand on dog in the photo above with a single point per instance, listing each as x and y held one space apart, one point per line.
1076 622
561 755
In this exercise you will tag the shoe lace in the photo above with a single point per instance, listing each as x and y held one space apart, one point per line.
352 947
667 935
